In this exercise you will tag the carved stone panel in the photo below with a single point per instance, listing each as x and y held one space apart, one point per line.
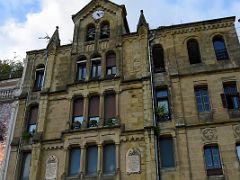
209 134
237 131
133 161
51 168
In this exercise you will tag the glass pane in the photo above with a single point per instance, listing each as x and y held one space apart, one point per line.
162 93
109 159
99 70
78 119
166 152
114 70
216 159
94 69
26 166
208 158
238 151
235 101
164 104
32 128
74 162
92 156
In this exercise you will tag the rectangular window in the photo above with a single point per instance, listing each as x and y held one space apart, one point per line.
92 157
81 71
212 161
93 111
202 99
111 64
74 162
32 119
230 98
166 152
77 113
96 69
39 79
109 159
238 151
110 109
162 102
25 168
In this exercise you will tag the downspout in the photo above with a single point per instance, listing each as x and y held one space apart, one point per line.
150 39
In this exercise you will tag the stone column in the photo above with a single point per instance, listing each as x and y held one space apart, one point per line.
85 112
99 162
82 161
35 161
117 107
101 110
117 161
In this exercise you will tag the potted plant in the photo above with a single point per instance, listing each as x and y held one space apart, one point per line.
160 112
93 123
111 121
76 125
26 136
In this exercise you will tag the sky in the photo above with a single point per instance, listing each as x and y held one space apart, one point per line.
23 22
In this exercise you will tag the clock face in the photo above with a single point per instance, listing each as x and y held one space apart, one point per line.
98 14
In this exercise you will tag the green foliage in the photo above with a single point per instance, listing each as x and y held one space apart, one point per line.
26 136
10 69
160 111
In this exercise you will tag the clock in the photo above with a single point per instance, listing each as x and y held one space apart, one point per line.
97 14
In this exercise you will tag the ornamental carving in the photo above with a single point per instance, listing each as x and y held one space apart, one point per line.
51 168
237 130
209 134
133 161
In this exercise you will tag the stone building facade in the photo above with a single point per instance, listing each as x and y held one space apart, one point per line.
9 91
153 104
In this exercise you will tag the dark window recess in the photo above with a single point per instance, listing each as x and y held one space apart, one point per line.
39 79
162 102
212 161
32 119
202 99
238 151
81 71
109 159
220 48
93 111
105 30
193 51
25 166
110 109
90 36
231 97
91 164
111 65
158 58
96 69
74 162
77 118
166 152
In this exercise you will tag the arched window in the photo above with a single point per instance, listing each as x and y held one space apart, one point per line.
158 58
220 48
110 109
105 30
111 64
39 78
77 117
193 51
81 69
90 35
93 111
96 67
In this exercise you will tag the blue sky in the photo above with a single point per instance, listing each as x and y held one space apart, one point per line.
22 22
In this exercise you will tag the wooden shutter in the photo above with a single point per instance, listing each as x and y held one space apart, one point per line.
111 60
224 100
110 106
94 106
33 115
78 107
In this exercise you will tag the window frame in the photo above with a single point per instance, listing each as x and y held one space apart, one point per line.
111 68
93 28
29 124
217 50
93 174
238 151
96 63
102 35
39 78
227 98
159 67
203 102
169 153
214 169
166 116
193 49
74 121
81 64
22 164
69 161
93 117
108 173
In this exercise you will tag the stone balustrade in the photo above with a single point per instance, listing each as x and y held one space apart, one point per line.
7 94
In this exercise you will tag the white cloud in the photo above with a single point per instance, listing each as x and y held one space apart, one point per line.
21 37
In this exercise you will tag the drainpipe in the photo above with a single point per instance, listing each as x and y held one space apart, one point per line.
150 39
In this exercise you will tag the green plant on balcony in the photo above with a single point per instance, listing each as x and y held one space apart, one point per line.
160 112
111 122
93 123
26 136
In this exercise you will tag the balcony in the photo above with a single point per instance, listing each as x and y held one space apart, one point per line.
7 94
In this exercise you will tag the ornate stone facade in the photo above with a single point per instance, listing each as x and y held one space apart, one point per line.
142 96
